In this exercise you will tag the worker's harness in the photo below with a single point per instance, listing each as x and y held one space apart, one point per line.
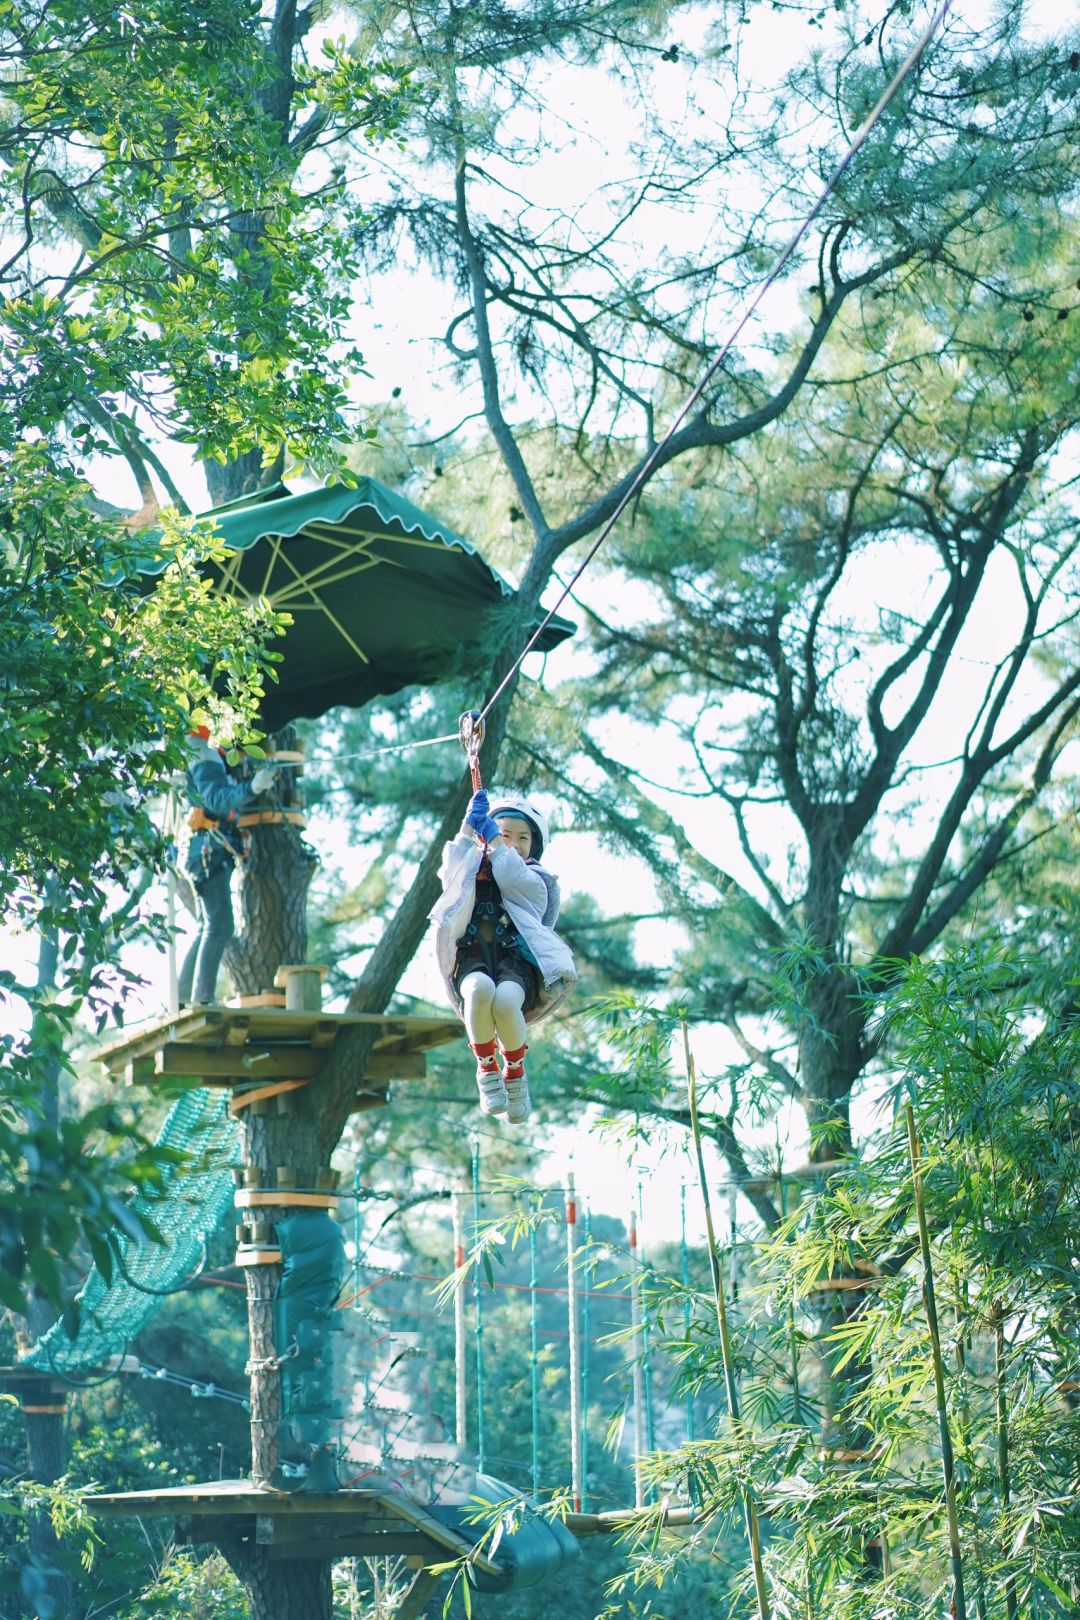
200 822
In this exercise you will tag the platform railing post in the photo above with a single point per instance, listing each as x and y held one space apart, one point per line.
534 1362
575 1344
638 1381
461 1421
646 1359
478 1303
586 1347
684 1277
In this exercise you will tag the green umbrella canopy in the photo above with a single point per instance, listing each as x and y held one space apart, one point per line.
382 595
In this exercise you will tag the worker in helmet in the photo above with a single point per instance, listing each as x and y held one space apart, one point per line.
218 845
503 963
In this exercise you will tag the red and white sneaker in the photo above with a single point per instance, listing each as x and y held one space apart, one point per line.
489 1081
518 1104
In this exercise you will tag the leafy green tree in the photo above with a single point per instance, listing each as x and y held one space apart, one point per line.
905 307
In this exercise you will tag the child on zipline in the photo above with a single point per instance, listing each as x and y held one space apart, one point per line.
503 964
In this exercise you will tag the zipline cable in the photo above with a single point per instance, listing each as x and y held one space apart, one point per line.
648 466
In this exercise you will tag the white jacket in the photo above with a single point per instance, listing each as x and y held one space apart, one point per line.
530 897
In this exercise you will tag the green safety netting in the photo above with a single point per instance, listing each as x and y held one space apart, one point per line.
196 1195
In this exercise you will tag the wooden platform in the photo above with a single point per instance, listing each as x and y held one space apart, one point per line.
236 1047
347 1524
38 1390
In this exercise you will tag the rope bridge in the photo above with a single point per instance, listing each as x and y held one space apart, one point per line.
197 1191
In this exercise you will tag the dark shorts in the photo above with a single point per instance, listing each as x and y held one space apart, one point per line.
500 964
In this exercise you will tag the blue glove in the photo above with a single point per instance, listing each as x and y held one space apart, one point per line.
478 818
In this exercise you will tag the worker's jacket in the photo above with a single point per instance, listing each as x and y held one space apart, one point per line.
530 897
211 789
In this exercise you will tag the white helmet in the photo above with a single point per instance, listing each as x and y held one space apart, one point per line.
512 804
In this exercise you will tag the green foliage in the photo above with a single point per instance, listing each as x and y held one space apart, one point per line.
993 1083
24 1586
198 1584
155 150
101 684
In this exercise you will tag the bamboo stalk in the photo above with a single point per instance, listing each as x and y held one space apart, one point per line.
965 1413
753 1527
1002 1435
948 1465
793 1347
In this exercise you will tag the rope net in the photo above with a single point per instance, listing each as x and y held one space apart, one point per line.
197 1192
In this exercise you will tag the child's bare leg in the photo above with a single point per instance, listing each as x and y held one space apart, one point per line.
507 1004
508 1007
477 996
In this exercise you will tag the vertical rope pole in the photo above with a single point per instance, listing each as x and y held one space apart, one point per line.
461 1413
646 1360
586 1339
534 1362
753 1526
478 1302
684 1277
575 1343
948 1467
638 1382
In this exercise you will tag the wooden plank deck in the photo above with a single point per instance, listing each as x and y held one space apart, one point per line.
345 1524
235 1046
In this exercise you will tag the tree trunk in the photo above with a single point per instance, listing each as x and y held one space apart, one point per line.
284 1589
244 476
46 1433
832 1056
273 886
47 1460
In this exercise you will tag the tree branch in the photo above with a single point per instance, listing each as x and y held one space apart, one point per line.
485 358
